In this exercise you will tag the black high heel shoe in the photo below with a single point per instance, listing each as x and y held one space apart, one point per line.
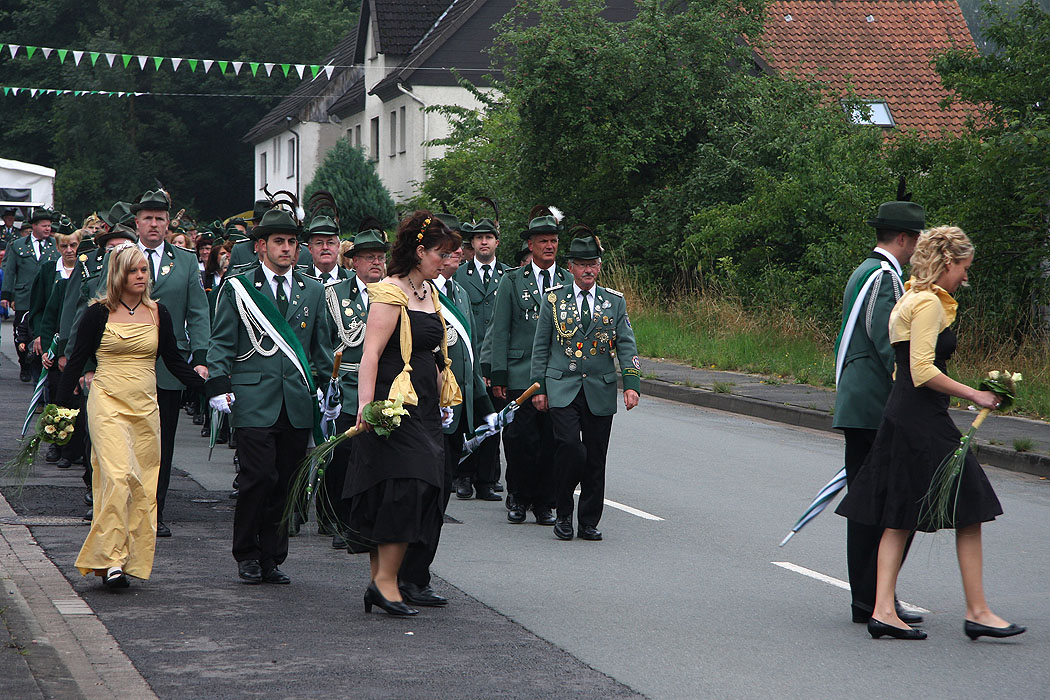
397 608
880 629
974 630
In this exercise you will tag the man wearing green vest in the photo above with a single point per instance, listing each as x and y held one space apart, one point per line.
270 338
21 263
582 327
507 363
864 361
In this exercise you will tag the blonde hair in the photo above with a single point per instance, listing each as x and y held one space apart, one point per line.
345 260
92 220
121 260
936 248
170 238
79 234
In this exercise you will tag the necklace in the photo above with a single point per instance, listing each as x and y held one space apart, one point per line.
131 309
415 291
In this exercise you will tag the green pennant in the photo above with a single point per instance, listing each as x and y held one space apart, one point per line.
315 70
193 64
30 50
222 66
78 93
94 56
126 57
62 55
6 91
286 67
254 66
157 60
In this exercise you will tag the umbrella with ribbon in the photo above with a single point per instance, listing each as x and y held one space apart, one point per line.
820 502
38 391
495 422
333 396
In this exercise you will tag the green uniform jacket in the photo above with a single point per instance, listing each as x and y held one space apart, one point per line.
347 311
20 268
482 301
178 287
506 355
82 288
467 373
43 312
867 369
260 384
341 273
584 357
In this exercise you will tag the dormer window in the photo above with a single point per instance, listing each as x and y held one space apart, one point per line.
870 113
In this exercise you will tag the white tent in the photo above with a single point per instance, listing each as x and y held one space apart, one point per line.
26 185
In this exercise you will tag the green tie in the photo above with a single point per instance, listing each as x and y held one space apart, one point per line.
152 273
545 276
585 311
282 299
486 276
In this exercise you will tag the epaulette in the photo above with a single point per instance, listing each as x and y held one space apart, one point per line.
184 249
555 287
613 292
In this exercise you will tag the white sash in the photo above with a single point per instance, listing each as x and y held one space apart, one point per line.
464 334
246 303
851 320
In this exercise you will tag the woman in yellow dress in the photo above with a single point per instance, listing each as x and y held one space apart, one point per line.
123 416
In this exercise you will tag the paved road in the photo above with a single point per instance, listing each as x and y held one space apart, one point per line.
688 606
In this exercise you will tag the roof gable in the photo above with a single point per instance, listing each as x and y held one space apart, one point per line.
884 48
402 23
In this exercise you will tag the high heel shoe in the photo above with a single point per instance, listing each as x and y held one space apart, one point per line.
397 608
880 629
116 578
974 630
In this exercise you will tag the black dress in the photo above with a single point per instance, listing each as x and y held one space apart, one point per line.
915 436
394 484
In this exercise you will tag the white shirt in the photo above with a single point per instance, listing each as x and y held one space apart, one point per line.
324 276
441 281
362 290
62 271
38 245
153 259
481 273
578 293
271 278
539 280
892 258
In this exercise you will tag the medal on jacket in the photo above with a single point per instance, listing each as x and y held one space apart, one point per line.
451 336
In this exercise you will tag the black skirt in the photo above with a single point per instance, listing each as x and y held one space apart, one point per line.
394 510
915 436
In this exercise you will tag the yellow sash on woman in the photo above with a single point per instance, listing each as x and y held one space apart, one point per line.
386 293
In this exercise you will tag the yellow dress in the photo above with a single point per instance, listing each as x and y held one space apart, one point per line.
124 423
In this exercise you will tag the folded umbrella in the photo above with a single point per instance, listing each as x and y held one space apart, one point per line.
333 396
498 422
824 496
38 392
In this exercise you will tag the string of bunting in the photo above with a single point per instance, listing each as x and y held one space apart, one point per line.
13 91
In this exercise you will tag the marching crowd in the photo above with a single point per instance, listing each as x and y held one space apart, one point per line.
136 315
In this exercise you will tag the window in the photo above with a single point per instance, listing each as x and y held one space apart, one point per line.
403 130
393 134
873 113
262 170
357 135
276 155
291 157
373 150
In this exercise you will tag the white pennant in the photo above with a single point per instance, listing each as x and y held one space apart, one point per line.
236 66
14 49
77 55
176 62
47 51
207 65
32 92
268 67
328 71
110 57
299 68
138 94
142 62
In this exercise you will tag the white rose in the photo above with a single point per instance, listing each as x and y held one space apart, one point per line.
994 374
1016 376
49 429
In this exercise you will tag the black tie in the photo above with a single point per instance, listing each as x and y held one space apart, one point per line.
486 276
585 311
545 278
152 272
282 299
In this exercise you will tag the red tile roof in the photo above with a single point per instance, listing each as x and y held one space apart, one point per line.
885 48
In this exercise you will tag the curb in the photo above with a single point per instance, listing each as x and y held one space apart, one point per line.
991 455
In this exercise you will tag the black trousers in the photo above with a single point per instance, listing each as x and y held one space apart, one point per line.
268 457
581 443
28 359
483 466
169 402
415 568
862 541
332 511
82 422
529 446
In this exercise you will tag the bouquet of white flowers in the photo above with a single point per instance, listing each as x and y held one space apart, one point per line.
55 426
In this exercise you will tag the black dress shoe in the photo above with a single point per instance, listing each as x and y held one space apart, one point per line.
397 608
53 453
425 597
485 493
908 617
510 501
497 487
338 541
24 375
162 530
88 498
880 629
250 571
89 515
589 532
516 514
198 419
277 576
544 516
563 529
63 463
464 490
974 630
205 431
325 530
234 494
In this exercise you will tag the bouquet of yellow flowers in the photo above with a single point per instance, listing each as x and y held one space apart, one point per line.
55 426
938 506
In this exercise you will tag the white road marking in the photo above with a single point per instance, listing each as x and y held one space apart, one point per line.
839 583
627 509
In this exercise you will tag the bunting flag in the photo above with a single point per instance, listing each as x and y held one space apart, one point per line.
15 91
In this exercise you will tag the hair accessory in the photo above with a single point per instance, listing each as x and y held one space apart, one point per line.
426 222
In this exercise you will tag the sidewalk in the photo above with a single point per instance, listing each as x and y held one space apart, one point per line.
812 407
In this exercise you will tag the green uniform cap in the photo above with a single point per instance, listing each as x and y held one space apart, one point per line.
41 215
321 225
540 225
275 221
151 201
370 240
900 216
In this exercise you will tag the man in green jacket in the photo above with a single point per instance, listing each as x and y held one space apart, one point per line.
507 363
270 344
582 327
21 263
864 361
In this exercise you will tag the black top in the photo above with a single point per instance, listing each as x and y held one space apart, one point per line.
89 335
